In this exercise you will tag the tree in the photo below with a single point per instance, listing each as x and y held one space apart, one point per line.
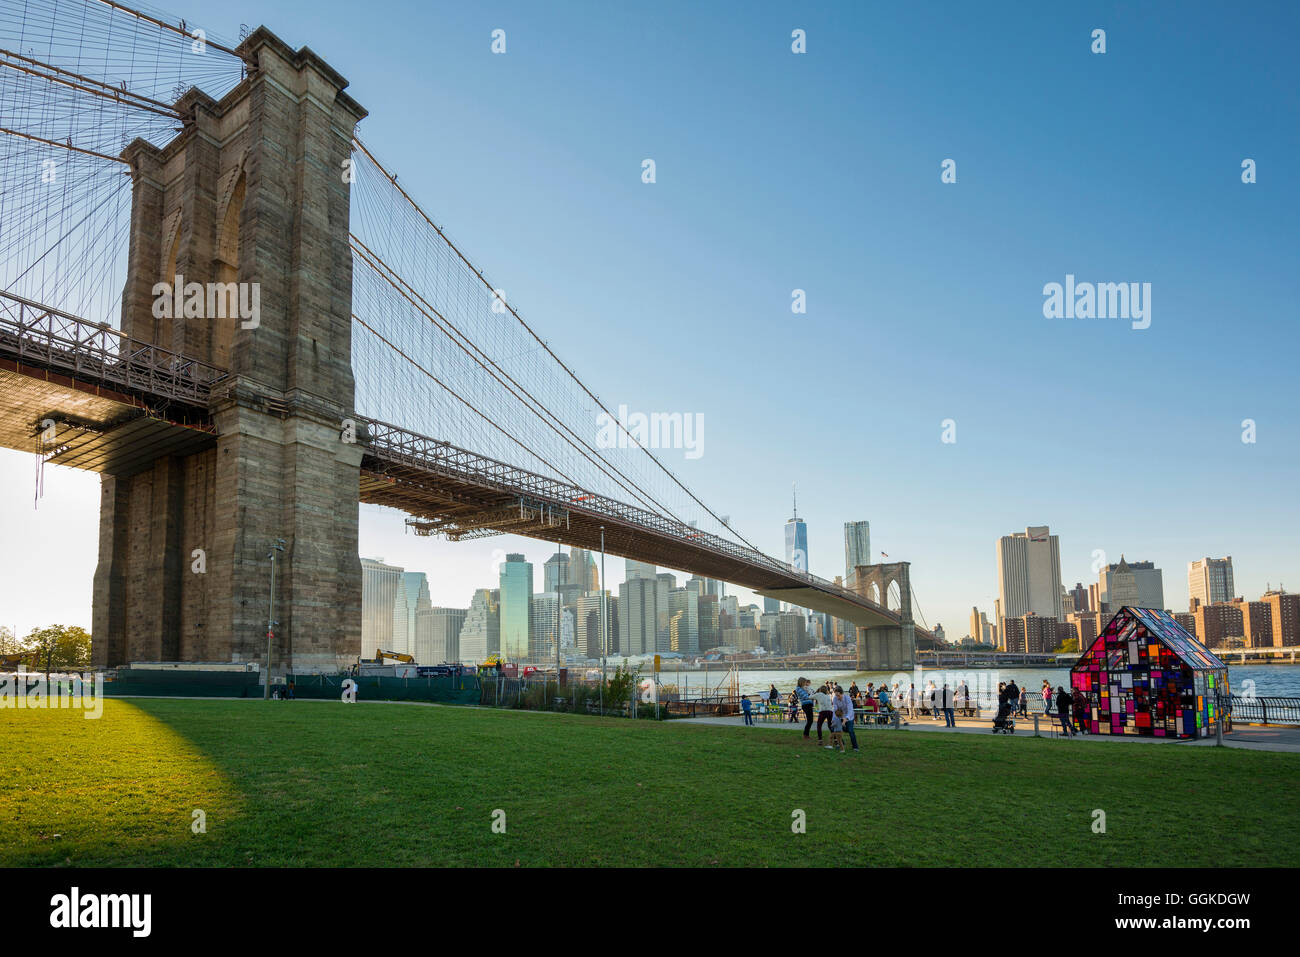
58 648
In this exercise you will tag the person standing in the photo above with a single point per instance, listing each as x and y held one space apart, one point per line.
1063 703
1023 703
773 696
806 703
933 694
843 701
822 701
747 706
948 719
1047 698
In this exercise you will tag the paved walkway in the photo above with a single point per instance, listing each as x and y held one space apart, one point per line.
1246 736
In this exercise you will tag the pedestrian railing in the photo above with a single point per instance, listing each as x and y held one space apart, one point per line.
1265 710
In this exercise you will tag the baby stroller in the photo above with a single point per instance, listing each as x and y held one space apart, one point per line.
1004 722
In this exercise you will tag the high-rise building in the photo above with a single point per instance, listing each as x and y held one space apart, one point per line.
583 570
1217 624
857 546
555 572
1257 624
771 606
1209 580
665 582
1080 595
791 633
710 636
480 636
744 640
544 626
1029 574
796 541
381 591
685 602
637 569
437 635
1031 634
1138 584
588 636
410 601
1284 612
516 607
638 615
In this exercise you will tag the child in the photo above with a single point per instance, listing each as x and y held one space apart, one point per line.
837 731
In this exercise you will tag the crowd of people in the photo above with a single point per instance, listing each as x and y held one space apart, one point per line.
831 705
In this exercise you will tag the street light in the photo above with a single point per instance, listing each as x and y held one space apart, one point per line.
603 613
278 546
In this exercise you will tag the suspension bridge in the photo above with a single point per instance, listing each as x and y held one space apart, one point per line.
214 294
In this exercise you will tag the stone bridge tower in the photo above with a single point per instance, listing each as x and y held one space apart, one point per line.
886 647
251 191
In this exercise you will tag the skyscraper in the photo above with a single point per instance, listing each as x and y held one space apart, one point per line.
1029 575
1131 583
437 635
381 587
480 636
555 572
684 610
796 541
544 626
1210 580
857 546
637 569
516 606
409 602
638 615
582 569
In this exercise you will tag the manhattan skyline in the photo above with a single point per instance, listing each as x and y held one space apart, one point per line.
924 298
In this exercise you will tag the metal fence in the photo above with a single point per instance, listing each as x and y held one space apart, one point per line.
1269 710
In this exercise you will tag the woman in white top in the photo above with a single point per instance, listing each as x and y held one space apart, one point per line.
822 702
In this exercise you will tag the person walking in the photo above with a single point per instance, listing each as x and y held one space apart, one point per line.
806 703
1023 703
933 694
843 701
793 704
1013 694
1063 703
1047 698
948 720
1080 710
822 703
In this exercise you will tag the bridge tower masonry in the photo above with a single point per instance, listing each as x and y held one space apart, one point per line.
252 191
886 647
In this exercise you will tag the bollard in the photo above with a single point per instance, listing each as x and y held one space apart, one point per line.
1036 734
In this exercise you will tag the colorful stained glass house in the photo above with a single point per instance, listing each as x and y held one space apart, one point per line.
1146 675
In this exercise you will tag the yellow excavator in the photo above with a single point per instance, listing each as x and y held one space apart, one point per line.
395 656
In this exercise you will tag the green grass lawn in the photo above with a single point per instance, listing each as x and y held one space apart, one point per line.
323 783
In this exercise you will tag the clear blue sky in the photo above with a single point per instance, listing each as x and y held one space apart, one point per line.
822 172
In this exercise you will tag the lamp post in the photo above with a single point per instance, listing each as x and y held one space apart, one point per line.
603 646
278 546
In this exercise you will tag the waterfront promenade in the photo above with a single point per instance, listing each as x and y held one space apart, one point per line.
1248 737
